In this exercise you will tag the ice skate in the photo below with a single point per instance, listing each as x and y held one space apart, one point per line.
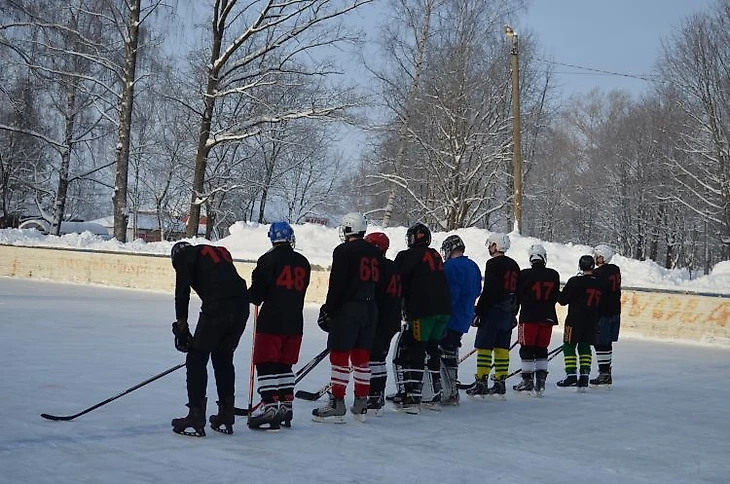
498 391
540 378
359 409
526 386
603 380
223 421
583 382
409 404
193 425
480 389
568 381
286 414
266 417
332 412
376 405
450 401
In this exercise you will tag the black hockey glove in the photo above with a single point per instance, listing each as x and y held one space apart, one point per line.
183 338
324 321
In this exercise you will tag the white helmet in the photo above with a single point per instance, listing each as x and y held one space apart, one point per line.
500 240
353 223
537 253
604 251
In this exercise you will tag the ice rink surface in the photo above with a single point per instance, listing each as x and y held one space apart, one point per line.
65 347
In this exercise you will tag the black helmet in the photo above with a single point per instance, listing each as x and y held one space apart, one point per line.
450 244
177 250
418 235
586 263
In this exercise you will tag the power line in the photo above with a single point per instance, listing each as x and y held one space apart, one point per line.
594 71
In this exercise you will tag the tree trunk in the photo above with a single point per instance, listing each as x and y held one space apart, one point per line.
201 156
121 213
59 205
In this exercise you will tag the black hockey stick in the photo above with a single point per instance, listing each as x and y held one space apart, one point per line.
101 404
551 354
313 396
301 373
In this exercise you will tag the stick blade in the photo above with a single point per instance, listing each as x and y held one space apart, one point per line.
57 417
309 396
241 412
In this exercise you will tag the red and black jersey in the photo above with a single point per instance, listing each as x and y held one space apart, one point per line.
279 282
537 294
425 288
610 275
501 274
389 302
209 271
354 275
583 295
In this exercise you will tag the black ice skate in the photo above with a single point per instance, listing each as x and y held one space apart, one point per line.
193 425
286 413
603 380
332 412
266 417
526 386
540 378
498 391
583 382
480 389
223 421
376 405
568 381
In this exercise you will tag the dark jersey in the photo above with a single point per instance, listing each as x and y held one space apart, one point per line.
537 294
389 302
500 285
209 271
280 281
583 295
610 276
425 288
354 275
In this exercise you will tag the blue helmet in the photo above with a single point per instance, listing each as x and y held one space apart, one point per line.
281 232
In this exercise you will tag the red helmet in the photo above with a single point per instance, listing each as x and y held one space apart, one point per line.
379 240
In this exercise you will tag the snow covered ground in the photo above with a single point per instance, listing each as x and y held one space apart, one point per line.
66 347
248 241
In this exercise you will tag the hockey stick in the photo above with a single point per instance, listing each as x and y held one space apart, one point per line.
313 396
253 366
466 386
101 404
301 373
551 354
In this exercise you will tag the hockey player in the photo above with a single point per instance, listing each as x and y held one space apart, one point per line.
350 315
465 283
609 323
496 311
279 282
537 293
426 306
209 271
582 294
389 313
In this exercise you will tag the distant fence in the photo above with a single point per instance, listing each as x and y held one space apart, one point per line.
699 317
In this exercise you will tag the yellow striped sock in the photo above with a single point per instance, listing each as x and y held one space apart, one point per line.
501 363
484 363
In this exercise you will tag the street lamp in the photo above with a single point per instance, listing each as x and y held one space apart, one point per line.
516 133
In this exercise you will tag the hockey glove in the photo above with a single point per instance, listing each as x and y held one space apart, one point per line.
183 338
324 321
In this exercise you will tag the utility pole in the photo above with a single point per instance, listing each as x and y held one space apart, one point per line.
516 130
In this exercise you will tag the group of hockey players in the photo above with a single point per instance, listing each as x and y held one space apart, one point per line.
426 297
